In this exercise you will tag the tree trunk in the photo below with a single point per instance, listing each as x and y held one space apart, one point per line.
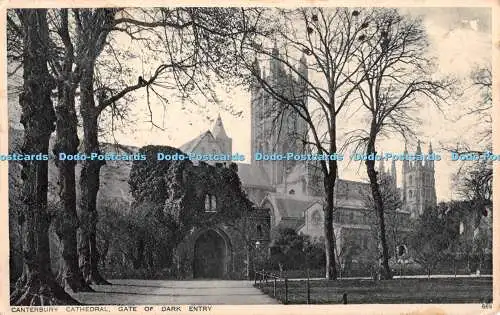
455 267
89 181
247 271
139 259
468 263
331 266
37 285
70 276
379 208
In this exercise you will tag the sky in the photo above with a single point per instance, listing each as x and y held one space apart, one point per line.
460 38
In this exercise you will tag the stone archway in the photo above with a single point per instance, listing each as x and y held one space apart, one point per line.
211 255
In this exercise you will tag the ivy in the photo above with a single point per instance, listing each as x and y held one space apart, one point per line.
179 188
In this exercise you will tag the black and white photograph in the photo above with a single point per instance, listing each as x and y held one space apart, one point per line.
185 157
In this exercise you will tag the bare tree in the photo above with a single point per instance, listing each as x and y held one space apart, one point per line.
398 75
36 286
192 41
481 81
327 78
395 218
474 182
474 179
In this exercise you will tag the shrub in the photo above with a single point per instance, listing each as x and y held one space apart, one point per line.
135 242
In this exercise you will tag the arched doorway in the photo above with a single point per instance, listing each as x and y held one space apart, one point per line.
210 256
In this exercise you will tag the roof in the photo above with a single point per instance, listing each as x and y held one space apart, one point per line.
253 176
351 203
289 206
191 145
351 194
292 223
218 130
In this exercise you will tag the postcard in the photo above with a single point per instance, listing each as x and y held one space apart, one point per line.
249 156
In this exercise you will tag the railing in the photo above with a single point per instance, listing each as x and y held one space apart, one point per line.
280 285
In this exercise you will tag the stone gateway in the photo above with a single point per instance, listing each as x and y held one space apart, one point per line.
217 229
211 255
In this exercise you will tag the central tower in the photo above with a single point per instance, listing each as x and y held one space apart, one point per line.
276 126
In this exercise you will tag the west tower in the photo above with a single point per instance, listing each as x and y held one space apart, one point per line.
419 185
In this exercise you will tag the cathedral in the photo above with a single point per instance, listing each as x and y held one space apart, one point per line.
292 190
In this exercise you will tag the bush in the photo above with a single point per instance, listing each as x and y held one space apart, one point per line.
292 251
136 243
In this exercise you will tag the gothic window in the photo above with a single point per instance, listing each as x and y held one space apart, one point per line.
260 234
207 202
411 180
184 176
210 203
401 250
342 190
213 203
316 218
410 194
337 216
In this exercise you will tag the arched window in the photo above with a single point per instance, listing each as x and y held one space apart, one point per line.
351 217
207 202
411 179
401 250
260 234
316 218
210 203
410 194
213 203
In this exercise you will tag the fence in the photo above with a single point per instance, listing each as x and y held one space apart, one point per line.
280 285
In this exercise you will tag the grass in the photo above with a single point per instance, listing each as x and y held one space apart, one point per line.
397 291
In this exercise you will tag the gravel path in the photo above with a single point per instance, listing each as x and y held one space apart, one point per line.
166 292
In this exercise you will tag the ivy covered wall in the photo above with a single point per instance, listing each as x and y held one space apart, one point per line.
193 199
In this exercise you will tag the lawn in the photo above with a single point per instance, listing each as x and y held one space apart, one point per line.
398 291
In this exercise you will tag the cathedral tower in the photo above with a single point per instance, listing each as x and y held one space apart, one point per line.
276 127
419 184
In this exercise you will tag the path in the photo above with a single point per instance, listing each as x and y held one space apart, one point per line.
170 292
